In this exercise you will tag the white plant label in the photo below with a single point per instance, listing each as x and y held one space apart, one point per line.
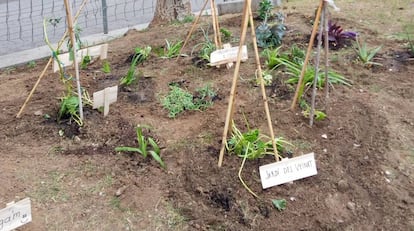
104 98
288 170
227 55
15 215
94 51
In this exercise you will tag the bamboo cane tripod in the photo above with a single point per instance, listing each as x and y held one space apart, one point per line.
247 17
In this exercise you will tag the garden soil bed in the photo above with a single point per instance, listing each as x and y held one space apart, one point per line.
364 149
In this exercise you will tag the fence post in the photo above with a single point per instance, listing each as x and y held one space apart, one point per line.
105 16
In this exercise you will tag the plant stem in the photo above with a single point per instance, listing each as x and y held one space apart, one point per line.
240 171
315 78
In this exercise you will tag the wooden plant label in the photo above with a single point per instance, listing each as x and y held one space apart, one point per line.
227 55
93 52
15 215
104 98
288 170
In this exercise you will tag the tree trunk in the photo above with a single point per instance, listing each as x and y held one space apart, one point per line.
169 10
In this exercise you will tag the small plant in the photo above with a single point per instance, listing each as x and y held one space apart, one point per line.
271 35
146 145
106 67
86 60
366 55
69 108
319 115
292 62
265 9
225 34
252 144
410 44
31 64
179 100
337 37
172 49
279 204
141 54
207 47
267 78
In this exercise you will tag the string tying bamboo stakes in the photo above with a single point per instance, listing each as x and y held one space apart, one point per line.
60 43
247 17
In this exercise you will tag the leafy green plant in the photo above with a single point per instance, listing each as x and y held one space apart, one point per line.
141 54
179 100
365 54
410 44
271 34
145 146
265 9
31 64
319 115
292 62
106 67
207 47
252 144
171 49
69 107
86 60
225 34
279 204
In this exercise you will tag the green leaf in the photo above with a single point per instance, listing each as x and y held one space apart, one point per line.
128 149
279 204
157 158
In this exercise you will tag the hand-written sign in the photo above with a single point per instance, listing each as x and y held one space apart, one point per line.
288 170
15 215
104 98
227 55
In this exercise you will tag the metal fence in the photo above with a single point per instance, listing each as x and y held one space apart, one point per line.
21 21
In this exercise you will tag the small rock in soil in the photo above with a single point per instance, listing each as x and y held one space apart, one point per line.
351 206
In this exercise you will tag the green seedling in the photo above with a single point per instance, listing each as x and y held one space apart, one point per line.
225 34
86 60
171 49
69 108
252 145
206 47
146 145
106 67
141 54
31 64
179 100
365 54
319 115
279 204
265 9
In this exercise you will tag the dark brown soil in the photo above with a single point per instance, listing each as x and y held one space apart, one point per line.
77 181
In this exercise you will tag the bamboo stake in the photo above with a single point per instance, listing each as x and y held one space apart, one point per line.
315 78
61 41
193 26
75 60
299 87
216 21
326 32
213 14
262 86
229 113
